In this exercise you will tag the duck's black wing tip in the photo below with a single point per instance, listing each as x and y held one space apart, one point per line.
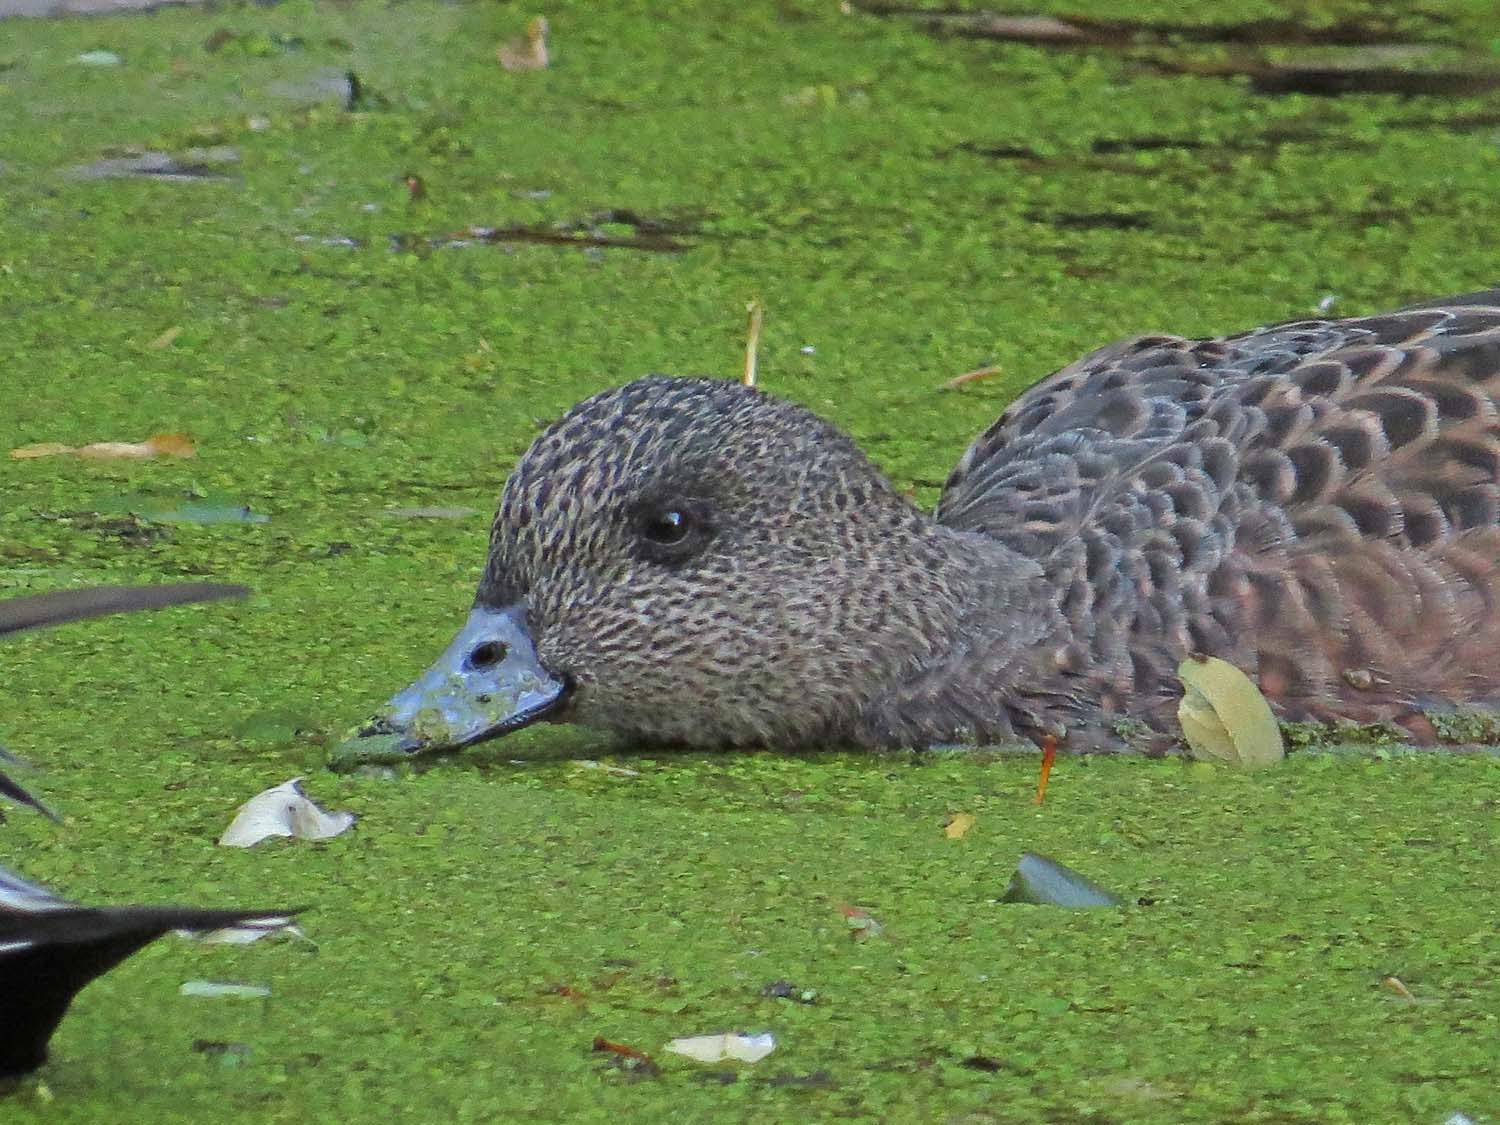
10 787
38 611
50 950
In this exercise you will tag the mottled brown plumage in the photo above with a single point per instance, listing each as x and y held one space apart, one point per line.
1317 502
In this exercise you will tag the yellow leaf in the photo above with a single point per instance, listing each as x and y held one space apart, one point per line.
1224 716
172 445
958 824
116 450
166 338
41 449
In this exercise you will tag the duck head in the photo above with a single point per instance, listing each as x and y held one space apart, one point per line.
686 562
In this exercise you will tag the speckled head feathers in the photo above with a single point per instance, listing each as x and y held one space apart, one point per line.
708 564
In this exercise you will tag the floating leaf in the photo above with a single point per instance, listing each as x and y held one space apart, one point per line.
717 1048
166 338
40 449
212 990
958 825
529 53
862 924
1040 881
157 445
1224 716
282 811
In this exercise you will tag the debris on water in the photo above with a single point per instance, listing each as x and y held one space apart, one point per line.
213 990
340 240
958 825
252 44
1398 986
632 1060
973 376
245 935
605 767
205 510
529 53
717 1048
1225 717
1040 881
283 810
157 445
862 924
786 990
755 316
432 512
193 164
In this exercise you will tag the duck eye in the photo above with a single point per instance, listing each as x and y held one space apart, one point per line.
671 530
667 527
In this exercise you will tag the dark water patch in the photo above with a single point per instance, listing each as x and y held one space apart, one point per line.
617 228
1094 220
194 164
1336 79
1124 34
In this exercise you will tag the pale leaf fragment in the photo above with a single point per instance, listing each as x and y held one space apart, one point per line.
529 53
157 445
282 811
958 825
213 990
1224 716
166 338
717 1048
40 449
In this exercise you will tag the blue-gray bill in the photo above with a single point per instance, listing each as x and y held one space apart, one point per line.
487 682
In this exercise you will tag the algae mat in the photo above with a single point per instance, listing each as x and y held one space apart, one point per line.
361 296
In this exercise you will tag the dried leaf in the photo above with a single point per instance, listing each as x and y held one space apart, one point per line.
717 1048
157 445
40 449
1224 716
972 376
529 53
166 338
958 825
282 811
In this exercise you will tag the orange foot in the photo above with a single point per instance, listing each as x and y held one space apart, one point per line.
1049 755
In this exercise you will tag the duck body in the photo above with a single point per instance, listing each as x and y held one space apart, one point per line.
694 562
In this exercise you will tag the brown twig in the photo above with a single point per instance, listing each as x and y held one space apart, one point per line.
972 376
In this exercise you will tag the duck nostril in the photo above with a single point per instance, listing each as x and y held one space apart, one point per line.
486 655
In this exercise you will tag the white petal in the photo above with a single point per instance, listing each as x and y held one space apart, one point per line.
282 811
717 1048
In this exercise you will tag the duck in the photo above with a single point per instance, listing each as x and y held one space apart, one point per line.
696 563
51 947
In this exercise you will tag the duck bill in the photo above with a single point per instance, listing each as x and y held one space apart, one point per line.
487 682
